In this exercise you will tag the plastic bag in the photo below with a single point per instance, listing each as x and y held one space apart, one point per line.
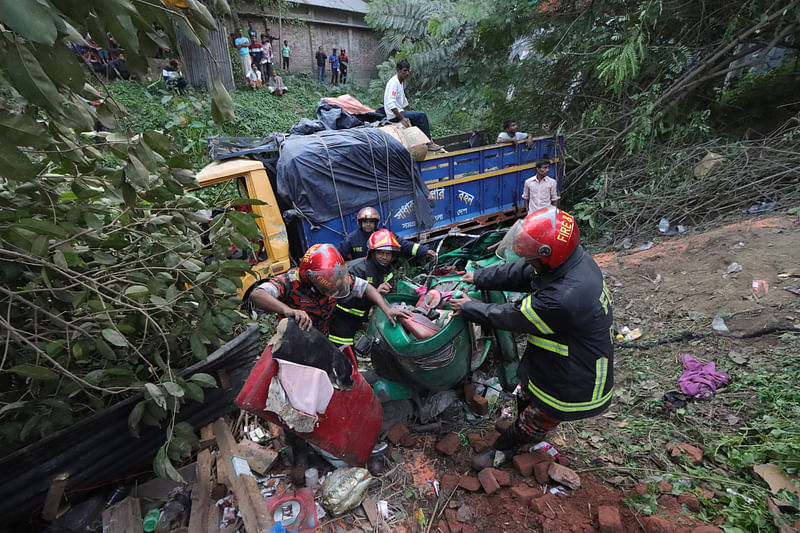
344 489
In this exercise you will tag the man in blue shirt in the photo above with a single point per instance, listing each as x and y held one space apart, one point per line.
334 60
242 44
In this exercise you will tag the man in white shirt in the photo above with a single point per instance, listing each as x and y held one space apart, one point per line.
396 105
541 190
512 134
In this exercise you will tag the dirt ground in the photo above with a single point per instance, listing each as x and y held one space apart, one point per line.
674 288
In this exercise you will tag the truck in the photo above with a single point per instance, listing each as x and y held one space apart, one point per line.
311 188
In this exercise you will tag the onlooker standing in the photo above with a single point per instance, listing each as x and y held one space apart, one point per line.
256 53
266 57
251 33
334 60
320 56
343 64
285 51
541 190
243 45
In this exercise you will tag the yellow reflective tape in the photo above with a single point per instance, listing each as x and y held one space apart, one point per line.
340 340
567 407
536 320
414 249
547 344
356 312
601 373
388 277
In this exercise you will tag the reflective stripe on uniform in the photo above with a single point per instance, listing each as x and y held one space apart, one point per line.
356 312
568 407
600 373
536 320
547 344
340 340
414 249
388 277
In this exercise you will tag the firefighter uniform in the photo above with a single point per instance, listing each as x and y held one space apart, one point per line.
567 367
351 312
355 245
289 289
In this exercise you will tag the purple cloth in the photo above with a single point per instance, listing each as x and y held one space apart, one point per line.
700 381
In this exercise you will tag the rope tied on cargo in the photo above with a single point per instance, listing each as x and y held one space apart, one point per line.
333 177
375 171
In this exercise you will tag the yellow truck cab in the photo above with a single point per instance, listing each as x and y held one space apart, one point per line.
251 178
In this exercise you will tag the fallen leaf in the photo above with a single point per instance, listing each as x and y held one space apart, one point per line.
738 358
622 424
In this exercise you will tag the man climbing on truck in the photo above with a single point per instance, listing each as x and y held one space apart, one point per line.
354 245
566 372
309 292
351 312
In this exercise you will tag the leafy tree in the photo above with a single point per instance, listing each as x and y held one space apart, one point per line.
104 289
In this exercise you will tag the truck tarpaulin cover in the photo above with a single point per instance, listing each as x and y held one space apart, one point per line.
334 173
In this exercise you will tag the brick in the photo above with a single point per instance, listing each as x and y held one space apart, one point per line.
449 482
466 528
641 488
479 405
449 444
664 486
397 433
657 524
469 483
678 449
480 447
452 521
524 493
477 442
502 425
503 477
409 441
469 391
609 519
540 472
443 528
491 437
524 464
540 456
473 437
488 481
544 506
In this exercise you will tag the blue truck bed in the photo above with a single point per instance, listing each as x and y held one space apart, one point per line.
471 188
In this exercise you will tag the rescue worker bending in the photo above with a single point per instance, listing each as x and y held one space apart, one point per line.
309 292
566 371
351 312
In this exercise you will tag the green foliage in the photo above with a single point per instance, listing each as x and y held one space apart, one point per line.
105 291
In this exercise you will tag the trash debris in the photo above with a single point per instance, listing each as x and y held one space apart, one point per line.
794 289
737 357
760 285
296 509
383 509
421 521
311 478
738 246
718 324
789 274
676 230
734 268
675 399
344 489
745 498
646 246
545 447
663 225
777 480
151 520
627 335
559 491
761 207
436 404
700 381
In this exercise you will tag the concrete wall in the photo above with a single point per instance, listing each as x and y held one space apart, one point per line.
309 27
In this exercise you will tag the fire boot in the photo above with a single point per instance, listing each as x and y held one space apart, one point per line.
512 437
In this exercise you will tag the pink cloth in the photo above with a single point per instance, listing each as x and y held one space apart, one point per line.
700 381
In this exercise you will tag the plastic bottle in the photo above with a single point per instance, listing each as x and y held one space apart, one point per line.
312 478
663 225
151 520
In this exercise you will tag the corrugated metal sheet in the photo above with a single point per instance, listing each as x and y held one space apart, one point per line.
357 6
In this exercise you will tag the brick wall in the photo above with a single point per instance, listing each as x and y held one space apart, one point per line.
317 27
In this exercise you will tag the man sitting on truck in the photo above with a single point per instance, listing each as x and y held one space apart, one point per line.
376 268
309 292
512 134
354 244
397 108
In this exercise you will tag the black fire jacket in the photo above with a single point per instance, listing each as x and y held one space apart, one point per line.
568 363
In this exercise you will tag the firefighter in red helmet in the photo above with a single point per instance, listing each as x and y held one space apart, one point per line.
309 292
351 312
354 245
566 372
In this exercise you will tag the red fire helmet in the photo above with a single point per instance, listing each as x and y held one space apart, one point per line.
322 266
548 234
383 239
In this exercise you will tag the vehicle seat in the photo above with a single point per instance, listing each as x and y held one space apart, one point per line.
419 326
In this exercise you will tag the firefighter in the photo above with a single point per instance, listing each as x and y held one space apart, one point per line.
354 245
351 312
566 372
309 292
